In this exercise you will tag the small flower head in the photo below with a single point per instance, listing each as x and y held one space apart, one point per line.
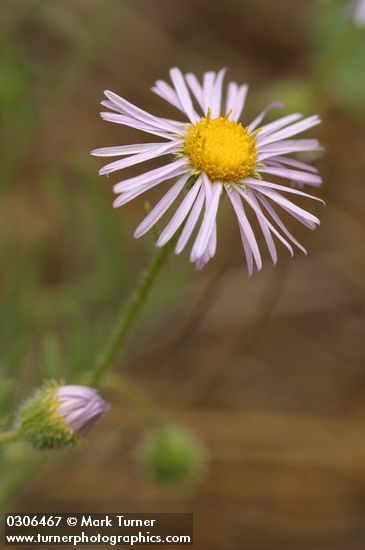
173 457
56 416
213 154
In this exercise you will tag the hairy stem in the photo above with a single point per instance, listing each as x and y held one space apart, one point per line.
130 314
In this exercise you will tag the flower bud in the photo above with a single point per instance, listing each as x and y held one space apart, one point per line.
56 416
173 457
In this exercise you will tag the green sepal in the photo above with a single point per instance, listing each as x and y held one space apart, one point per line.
41 425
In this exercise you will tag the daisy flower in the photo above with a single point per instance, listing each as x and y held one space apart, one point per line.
212 155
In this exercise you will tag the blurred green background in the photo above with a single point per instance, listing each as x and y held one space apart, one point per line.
268 372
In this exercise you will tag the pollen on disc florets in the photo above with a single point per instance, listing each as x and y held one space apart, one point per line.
222 148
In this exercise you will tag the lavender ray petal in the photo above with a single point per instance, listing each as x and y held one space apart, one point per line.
294 163
208 83
132 123
176 168
238 99
121 150
212 244
167 93
161 207
261 184
179 216
287 146
183 94
208 221
190 222
290 206
292 130
125 107
236 201
279 222
196 88
138 158
251 199
296 175
271 127
256 122
217 94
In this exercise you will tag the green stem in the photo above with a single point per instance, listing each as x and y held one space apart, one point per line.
333 62
130 314
136 396
7 437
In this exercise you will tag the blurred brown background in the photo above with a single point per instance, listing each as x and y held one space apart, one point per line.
269 372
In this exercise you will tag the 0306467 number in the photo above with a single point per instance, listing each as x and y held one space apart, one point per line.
33 521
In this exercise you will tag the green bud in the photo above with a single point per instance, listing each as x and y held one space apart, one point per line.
173 457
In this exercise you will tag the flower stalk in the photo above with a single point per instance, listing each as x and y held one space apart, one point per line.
130 314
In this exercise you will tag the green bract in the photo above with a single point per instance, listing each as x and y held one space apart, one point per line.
41 425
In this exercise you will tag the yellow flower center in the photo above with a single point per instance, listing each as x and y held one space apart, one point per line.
221 148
